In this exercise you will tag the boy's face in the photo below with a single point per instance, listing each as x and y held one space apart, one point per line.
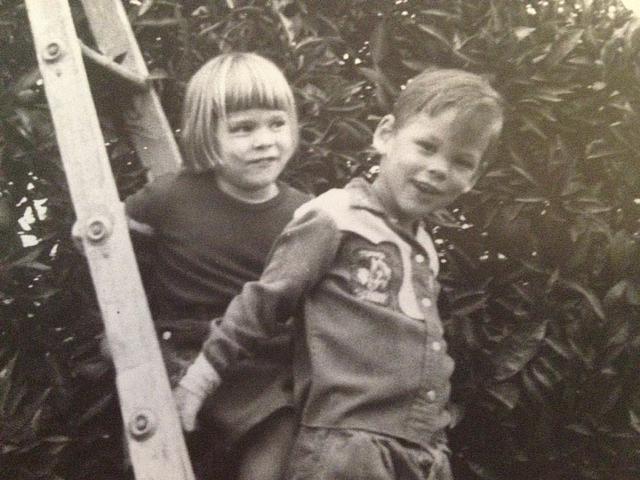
254 146
429 161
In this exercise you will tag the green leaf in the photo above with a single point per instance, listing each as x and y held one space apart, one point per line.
517 349
506 393
95 409
345 108
5 384
588 295
415 64
469 304
484 472
617 294
354 129
563 46
590 206
309 42
521 171
145 7
532 388
23 416
159 23
379 43
541 377
532 125
469 333
580 429
7 217
378 77
24 124
433 12
523 32
623 252
610 400
38 266
548 366
437 34
587 359
634 420
28 258
27 81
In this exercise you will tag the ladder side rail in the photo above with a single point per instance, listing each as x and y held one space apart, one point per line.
154 435
147 124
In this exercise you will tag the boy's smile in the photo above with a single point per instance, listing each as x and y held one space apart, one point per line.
254 145
429 161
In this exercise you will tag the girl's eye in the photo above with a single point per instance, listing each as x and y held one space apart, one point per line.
241 128
279 123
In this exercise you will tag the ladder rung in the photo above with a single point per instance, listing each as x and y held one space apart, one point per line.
138 82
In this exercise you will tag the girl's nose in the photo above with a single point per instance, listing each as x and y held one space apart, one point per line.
263 137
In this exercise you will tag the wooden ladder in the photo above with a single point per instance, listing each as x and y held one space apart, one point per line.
154 436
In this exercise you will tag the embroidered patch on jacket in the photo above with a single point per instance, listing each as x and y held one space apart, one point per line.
371 276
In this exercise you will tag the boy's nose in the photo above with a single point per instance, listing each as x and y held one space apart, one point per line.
437 169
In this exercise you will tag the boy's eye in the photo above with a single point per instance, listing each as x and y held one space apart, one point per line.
465 162
428 147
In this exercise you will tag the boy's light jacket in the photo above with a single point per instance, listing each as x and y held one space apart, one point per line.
369 352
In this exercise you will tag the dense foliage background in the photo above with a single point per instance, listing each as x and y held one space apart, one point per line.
541 262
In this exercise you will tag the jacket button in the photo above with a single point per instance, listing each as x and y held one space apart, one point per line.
431 395
436 346
426 302
419 258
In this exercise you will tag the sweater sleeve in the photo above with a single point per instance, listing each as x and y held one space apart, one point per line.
301 256
148 205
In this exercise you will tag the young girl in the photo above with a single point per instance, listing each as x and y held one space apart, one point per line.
213 224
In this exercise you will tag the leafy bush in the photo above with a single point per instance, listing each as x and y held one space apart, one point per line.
541 276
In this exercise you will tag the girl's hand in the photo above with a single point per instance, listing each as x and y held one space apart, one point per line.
139 227
188 405
76 237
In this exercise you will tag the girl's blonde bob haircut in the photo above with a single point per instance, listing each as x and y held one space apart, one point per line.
229 83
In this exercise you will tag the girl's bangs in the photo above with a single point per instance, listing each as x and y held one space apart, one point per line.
247 88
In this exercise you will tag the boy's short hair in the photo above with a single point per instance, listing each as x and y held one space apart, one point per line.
229 83
435 90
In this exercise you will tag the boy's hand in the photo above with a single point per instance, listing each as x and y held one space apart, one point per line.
200 381
188 405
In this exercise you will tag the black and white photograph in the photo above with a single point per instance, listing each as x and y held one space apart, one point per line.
320 239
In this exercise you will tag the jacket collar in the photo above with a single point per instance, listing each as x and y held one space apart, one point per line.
364 197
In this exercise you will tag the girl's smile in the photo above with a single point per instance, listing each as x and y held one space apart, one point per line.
254 145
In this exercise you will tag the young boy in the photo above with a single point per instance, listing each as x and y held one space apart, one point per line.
357 266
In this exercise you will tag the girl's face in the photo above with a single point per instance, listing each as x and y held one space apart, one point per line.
254 146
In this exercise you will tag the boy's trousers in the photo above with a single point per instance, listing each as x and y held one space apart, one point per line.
343 454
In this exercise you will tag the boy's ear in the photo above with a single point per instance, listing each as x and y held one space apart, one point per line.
383 132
